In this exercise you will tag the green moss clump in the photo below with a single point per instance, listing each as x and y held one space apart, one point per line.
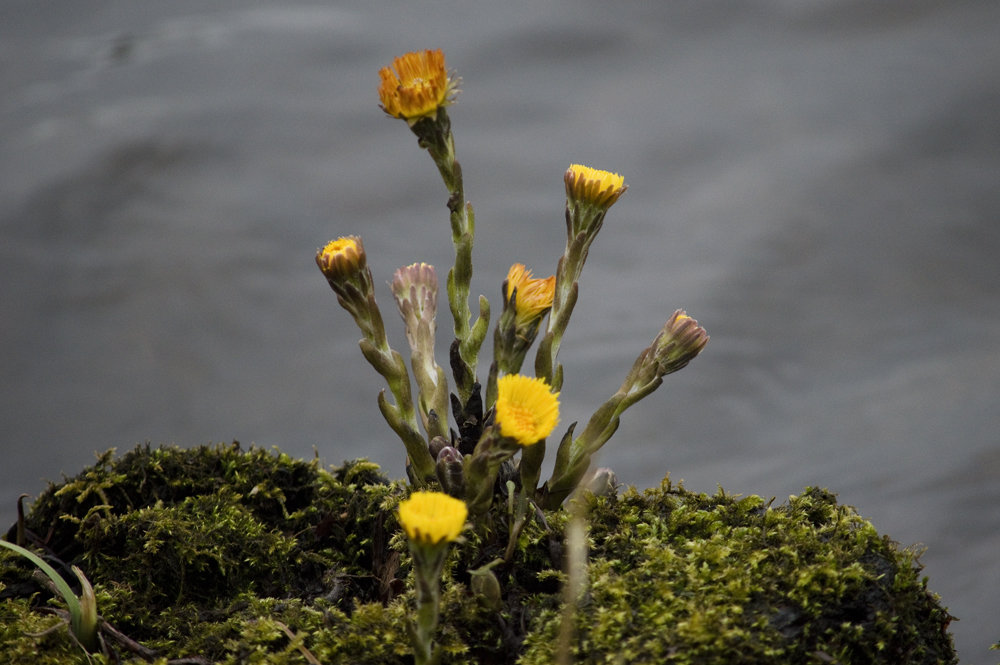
248 556
177 542
679 577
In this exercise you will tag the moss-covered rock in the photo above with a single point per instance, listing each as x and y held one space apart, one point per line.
223 555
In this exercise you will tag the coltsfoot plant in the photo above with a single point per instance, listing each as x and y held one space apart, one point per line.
494 453
230 556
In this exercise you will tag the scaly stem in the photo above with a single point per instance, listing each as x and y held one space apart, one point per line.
428 561
434 135
582 226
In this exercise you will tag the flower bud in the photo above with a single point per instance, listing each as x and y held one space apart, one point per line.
450 471
415 289
437 444
486 587
680 340
345 266
342 259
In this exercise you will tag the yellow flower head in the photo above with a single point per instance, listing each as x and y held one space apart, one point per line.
526 409
598 188
534 296
342 258
418 87
430 518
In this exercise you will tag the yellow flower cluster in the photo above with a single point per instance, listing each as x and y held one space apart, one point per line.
431 518
526 408
534 296
418 87
593 186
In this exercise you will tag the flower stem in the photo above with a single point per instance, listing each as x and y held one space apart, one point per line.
401 416
566 291
428 562
434 135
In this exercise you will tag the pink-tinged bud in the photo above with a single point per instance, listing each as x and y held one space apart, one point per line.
415 289
679 342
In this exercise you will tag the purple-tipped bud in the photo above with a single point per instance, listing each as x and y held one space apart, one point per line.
437 444
679 342
450 471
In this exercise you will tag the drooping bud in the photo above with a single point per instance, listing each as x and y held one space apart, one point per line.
345 265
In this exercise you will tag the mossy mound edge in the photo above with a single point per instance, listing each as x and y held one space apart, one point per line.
218 554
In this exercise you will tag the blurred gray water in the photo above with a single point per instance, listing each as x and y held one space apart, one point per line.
816 181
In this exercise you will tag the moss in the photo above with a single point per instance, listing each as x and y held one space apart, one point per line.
248 556
679 577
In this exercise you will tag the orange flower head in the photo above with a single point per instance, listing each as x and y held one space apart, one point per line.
342 258
418 87
534 296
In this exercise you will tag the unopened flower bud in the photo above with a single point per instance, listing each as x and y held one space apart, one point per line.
437 444
342 260
486 587
415 289
450 471
345 266
679 342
